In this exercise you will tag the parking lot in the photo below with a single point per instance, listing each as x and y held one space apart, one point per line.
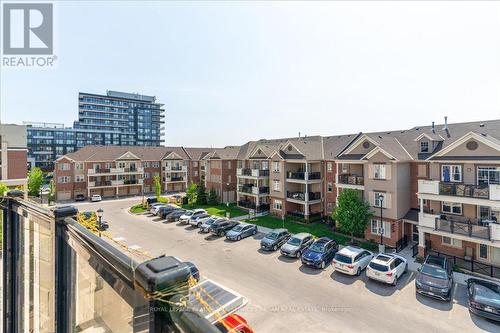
285 296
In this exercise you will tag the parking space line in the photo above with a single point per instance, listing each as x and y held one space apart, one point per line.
119 239
135 247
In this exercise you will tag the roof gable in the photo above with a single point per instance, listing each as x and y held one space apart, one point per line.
470 144
128 156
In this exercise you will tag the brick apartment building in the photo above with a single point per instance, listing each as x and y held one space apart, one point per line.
13 155
436 185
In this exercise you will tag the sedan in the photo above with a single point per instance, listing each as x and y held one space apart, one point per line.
274 239
205 226
165 210
175 215
352 260
297 244
241 231
222 227
320 253
484 298
95 198
387 268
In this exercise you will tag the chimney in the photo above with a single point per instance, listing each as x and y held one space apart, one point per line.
445 123
299 134
433 128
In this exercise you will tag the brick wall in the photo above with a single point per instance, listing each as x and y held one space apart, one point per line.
17 164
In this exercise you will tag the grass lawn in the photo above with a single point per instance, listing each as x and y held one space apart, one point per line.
137 209
219 210
315 229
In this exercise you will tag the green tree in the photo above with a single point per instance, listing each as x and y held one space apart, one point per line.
35 181
52 191
212 200
3 189
352 213
157 185
201 195
191 193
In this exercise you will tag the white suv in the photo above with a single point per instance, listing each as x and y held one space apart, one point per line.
387 268
191 214
351 260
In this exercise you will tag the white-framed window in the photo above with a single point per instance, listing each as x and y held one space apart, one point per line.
329 166
276 166
329 187
379 199
64 166
229 178
451 208
229 164
451 173
376 226
121 165
344 167
276 185
108 165
79 178
63 179
488 175
156 164
424 146
278 204
195 173
79 166
379 171
195 164
147 175
448 241
265 165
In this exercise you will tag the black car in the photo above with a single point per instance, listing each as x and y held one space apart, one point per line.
164 211
435 278
79 197
175 215
274 239
220 228
484 298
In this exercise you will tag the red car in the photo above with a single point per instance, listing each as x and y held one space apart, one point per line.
233 324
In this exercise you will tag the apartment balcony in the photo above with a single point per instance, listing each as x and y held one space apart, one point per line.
303 177
117 182
251 173
133 170
263 207
99 184
133 181
114 171
175 179
176 168
254 190
351 181
300 197
459 192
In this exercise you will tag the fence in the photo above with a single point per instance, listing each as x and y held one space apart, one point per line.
468 264
61 277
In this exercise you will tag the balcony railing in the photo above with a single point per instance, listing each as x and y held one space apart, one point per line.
302 196
299 175
175 179
79 281
471 228
299 215
351 179
263 207
252 172
462 190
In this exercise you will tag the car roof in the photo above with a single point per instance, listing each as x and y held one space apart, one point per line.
278 230
302 235
323 240
386 258
350 251
489 284
199 210
435 261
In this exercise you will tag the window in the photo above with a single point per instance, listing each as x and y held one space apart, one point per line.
79 166
229 164
379 199
147 175
451 208
452 242
79 178
64 166
63 179
424 146
107 165
156 164
422 170
195 164
276 166
229 178
376 226
329 187
488 175
278 204
276 185
379 171
265 165
483 251
329 167
451 173
196 173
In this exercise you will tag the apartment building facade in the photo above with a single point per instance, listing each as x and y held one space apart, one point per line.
13 155
117 118
219 172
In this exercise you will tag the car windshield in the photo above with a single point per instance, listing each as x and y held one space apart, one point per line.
272 235
238 228
343 258
188 213
318 247
209 221
294 241
483 294
434 271
379 267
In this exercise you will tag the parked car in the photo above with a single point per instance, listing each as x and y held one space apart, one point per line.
220 228
297 244
175 215
233 323
199 220
154 205
320 253
95 198
387 268
191 213
79 197
351 260
155 209
435 278
240 231
274 239
198 217
205 226
165 210
484 298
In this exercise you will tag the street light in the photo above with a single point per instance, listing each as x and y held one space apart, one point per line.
99 212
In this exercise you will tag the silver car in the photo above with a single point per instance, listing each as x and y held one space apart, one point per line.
198 221
205 226
296 245
242 230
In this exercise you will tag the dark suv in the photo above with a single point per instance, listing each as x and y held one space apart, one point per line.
220 228
435 278
274 239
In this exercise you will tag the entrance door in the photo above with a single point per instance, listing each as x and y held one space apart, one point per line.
414 233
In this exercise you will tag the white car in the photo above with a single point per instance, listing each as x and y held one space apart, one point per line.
95 198
387 268
351 260
197 222
191 214
154 210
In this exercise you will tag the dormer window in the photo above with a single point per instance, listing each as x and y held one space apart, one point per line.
424 146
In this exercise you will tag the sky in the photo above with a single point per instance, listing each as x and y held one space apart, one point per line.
232 72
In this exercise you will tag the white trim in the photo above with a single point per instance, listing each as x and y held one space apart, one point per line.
462 140
174 154
427 136
357 142
376 150
290 143
17 149
276 153
254 151
127 152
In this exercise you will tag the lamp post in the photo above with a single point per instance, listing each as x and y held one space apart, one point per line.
381 202
99 212
41 196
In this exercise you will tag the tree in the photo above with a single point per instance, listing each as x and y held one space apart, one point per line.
3 189
191 193
157 185
35 181
212 200
352 213
201 195
52 191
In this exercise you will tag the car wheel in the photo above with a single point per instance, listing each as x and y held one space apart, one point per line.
323 265
238 238
298 254
254 232
358 272
275 247
395 282
406 268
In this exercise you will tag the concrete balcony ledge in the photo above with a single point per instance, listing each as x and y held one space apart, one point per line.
427 220
428 186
